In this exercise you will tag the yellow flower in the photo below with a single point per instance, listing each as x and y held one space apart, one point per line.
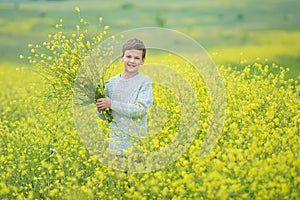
77 9
3 189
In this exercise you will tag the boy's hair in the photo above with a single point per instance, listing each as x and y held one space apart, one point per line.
134 43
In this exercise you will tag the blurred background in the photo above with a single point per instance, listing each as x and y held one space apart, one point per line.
231 31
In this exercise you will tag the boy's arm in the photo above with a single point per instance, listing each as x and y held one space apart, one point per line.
139 108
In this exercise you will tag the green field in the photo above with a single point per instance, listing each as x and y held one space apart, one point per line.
269 30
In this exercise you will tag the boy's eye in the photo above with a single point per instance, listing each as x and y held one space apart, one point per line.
136 58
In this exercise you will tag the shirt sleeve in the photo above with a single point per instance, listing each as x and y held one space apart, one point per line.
139 108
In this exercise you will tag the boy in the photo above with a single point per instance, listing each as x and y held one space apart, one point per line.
129 96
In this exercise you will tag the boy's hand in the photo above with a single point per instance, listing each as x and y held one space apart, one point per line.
103 103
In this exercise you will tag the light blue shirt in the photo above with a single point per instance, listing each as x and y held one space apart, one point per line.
131 98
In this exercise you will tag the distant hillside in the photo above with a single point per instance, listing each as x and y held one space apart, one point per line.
17 1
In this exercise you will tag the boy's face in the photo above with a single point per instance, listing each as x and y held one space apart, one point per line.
132 60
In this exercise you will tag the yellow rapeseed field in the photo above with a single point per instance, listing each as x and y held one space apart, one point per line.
257 156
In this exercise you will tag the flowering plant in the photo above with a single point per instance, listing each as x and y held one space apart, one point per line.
100 93
59 60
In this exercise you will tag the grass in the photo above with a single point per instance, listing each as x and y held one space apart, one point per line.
268 31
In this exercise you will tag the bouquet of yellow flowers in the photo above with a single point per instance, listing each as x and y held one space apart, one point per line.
61 62
100 93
